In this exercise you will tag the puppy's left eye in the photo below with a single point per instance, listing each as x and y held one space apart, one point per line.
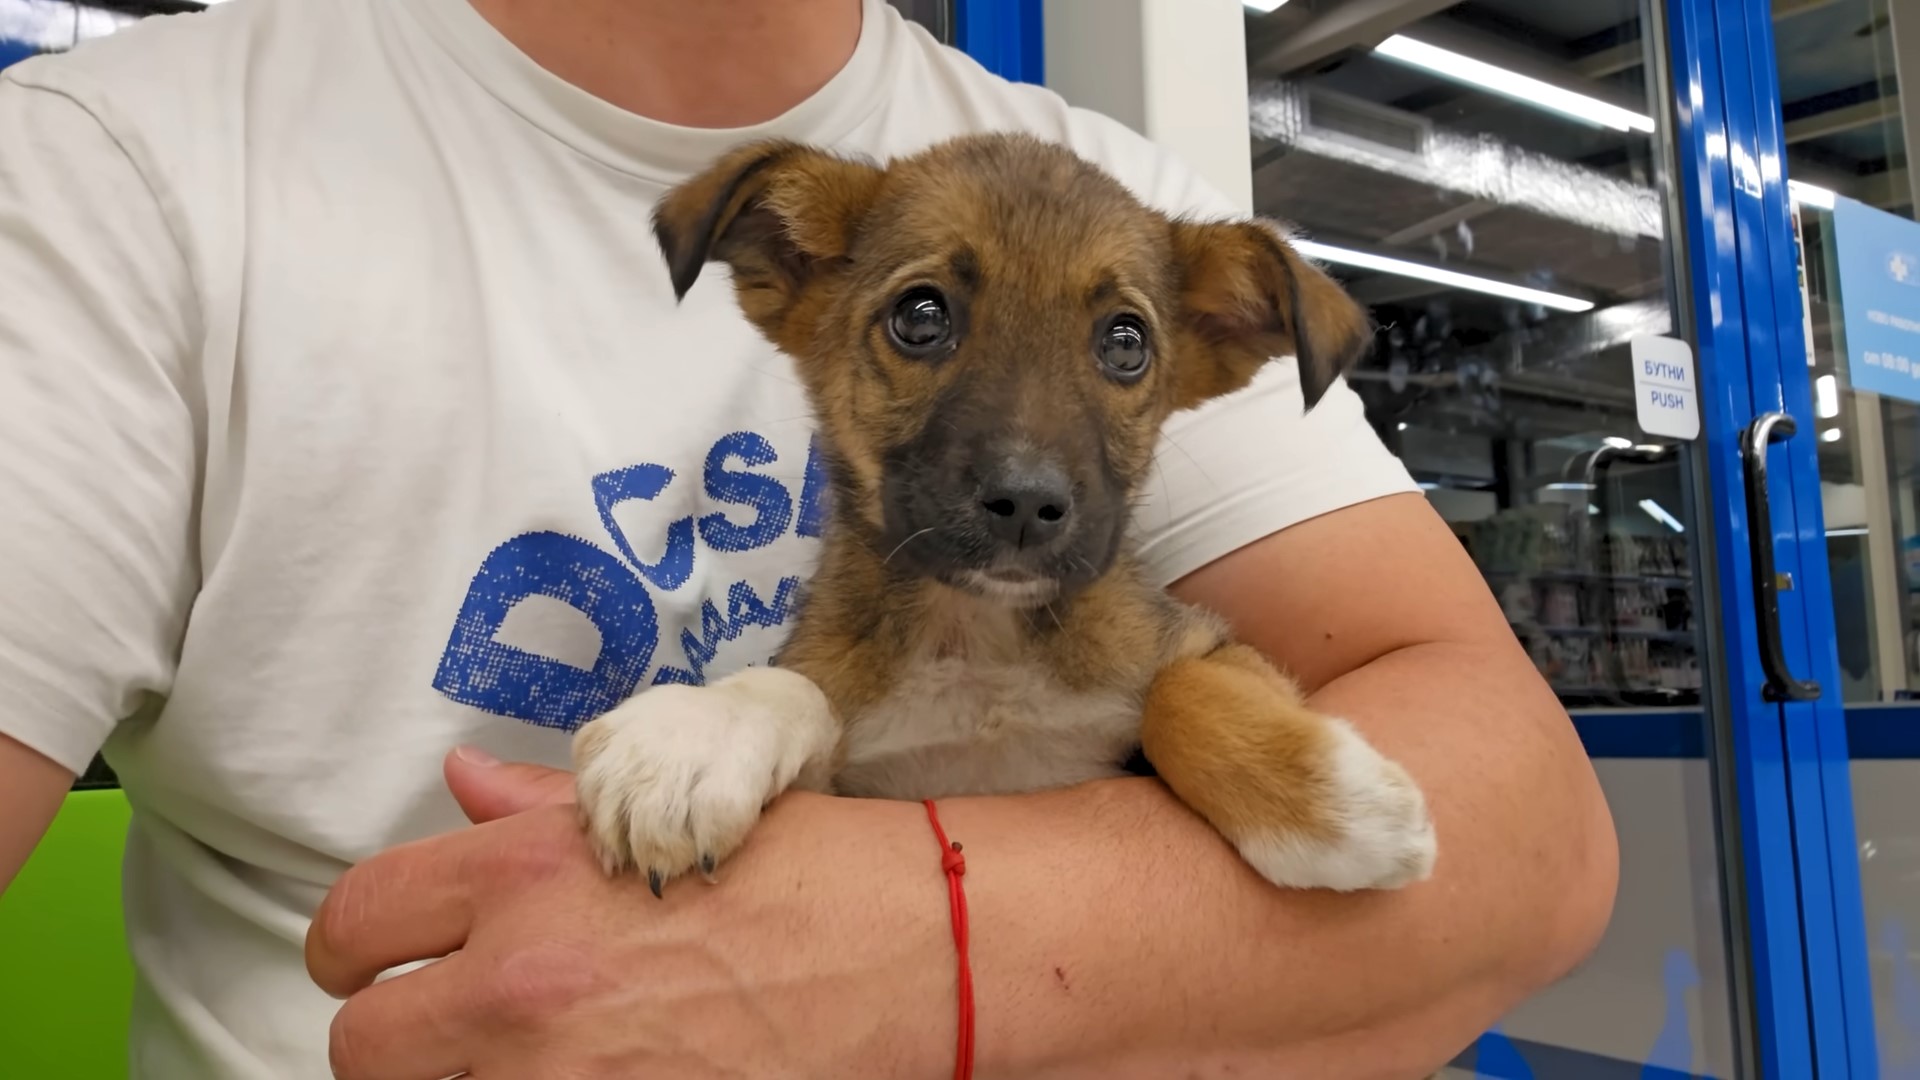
920 324
1122 348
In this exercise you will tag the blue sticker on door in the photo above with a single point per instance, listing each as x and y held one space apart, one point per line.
1878 256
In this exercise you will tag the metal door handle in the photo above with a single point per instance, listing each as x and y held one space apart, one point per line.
1767 429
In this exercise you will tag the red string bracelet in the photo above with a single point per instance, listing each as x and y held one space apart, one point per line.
954 865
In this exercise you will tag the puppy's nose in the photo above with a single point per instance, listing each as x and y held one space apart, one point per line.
1027 502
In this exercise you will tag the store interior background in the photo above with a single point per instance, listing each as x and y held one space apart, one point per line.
1516 414
1517 417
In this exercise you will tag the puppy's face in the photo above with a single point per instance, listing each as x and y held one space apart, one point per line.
992 333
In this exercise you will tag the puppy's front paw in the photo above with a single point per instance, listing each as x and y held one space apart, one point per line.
674 778
1375 832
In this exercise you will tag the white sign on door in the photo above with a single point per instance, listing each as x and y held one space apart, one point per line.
1665 397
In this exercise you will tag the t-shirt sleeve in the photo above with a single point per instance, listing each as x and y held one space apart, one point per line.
97 440
1249 464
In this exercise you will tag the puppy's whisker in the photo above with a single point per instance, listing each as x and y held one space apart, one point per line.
1166 492
904 543
1169 440
789 380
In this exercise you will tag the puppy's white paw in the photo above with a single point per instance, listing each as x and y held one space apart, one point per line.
1381 835
674 778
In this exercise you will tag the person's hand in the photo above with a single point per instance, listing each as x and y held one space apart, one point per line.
823 952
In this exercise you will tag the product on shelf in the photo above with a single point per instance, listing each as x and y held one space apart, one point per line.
1603 614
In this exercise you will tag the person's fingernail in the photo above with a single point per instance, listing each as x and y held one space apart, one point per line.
473 755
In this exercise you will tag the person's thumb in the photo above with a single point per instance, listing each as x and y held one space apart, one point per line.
488 789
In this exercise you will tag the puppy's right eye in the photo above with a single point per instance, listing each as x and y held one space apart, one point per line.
920 324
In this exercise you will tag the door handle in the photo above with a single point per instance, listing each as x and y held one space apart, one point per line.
1767 429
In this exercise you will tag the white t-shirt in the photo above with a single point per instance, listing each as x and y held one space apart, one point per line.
346 415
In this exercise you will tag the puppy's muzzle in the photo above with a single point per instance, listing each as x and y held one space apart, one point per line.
1025 504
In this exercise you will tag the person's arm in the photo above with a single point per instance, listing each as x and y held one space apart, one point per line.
31 788
98 466
1195 963
1114 934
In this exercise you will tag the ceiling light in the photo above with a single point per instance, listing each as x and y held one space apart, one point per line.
1810 195
1385 265
1264 6
1512 84
1826 397
1659 513
1832 434
1847 532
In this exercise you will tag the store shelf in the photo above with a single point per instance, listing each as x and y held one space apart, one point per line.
1587 577
1676 636
1606 697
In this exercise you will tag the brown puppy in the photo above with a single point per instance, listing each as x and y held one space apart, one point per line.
992 333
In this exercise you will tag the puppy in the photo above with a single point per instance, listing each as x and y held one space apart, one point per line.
992 333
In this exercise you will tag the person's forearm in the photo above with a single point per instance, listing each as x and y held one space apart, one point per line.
1115 935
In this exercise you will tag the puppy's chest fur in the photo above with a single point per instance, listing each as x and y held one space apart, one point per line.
979 716
955 695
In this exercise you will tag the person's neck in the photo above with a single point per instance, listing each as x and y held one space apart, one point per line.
694 63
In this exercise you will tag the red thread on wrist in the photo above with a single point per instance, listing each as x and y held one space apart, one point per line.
954 865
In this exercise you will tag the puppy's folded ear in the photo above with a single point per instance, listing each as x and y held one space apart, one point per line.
1247 297
773 211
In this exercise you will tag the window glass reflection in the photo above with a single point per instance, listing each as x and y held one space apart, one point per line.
1849 119
1846 138
1486 180
1490 179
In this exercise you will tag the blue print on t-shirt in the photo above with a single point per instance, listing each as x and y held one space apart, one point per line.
616 593
773 506
646 482
479 671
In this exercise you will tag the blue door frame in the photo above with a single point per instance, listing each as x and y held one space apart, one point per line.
1006 36
1711 167
1827 853
1812 734
1787 809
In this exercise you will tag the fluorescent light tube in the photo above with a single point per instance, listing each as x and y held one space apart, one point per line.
1811 195
1659 513
1365 261
1264 6
1826 397
1522 88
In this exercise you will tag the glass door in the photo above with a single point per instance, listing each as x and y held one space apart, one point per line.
1529 210
1845 104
